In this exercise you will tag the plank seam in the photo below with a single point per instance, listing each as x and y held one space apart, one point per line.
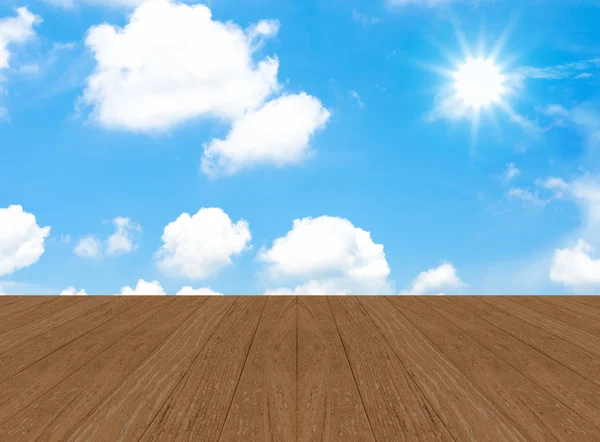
567 326
127 377
403 366
64 345
535 348
514 368
351 369
82 367
462 371
242 370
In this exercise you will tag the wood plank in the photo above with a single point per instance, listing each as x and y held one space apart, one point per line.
44 325
394 404
590 301
197 409
6 300
264 405
38 311
536 412
571 304
329 404
576 392
31 382
551 345
25 354
556 310
475 418
53 415
518 308
129 409
24 303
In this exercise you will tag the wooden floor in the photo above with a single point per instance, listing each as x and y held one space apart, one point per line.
299 368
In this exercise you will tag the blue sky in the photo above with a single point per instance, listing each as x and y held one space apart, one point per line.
298 147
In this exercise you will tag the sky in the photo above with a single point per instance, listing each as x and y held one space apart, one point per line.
299 147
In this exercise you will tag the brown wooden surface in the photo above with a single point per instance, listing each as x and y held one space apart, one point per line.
299 368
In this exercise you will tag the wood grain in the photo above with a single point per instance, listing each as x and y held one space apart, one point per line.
399 411
33 313
198 407
551 345
477 419
130 408
553 309
47 323
53 415
329 404
571 304
23 303
537 413
52 339
576 392
31 382
590 301
264 405
299 368
517 307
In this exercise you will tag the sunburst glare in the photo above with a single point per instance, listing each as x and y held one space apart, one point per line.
478 82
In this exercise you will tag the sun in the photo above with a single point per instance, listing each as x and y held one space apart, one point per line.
478 83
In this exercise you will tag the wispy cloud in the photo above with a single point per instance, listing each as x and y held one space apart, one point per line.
560 71
355 96
364 19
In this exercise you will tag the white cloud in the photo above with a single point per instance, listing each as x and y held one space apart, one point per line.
143 288
204 291
363 18
88 247
559 72
13 30
330 287
172 63
71 291
527 196
21 239
277 133
354 95
330 255
442 278
199 246
576 267
122 241
511 172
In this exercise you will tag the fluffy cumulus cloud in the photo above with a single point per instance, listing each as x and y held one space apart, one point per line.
72 291
22 240
143 288
577 265
577 268
172 63
204 291
198 246
88 247
122 241
328 255
277 133
15 30
433 281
